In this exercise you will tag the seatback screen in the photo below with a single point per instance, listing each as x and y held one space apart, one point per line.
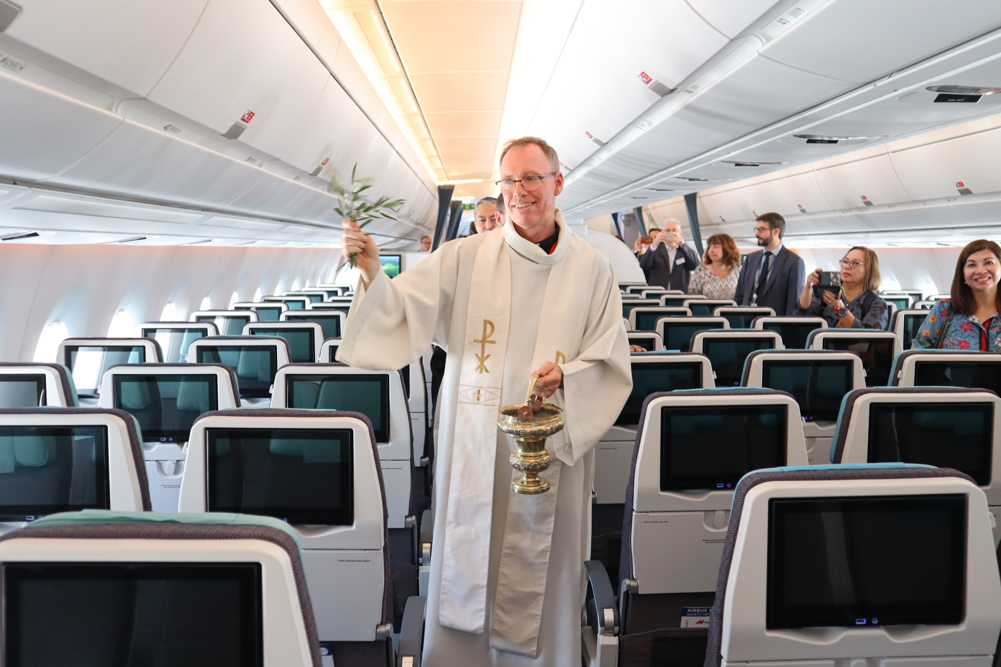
653 378
303 476
794 335
712 447
192 614
700 309
860 562
876 355
973 374
301 342
166 406
52 469
228 325
264 312
901 302
945 435
88 363
740 320
912 328
818 386
294 304
174 341
648 343
647 321
331 323
340 307
255 365
678 333
727 356
364 393
22 391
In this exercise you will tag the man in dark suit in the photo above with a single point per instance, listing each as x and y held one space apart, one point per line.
668 261
774 276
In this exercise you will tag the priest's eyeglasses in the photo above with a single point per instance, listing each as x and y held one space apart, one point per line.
529 183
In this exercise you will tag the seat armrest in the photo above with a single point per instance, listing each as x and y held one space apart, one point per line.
412 632
604 616
427 530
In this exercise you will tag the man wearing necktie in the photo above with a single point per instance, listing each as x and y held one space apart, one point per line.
669 262
774 276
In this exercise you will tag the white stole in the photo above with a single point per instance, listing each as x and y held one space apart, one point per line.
517 610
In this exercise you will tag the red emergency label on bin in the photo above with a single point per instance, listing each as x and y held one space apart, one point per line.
247 116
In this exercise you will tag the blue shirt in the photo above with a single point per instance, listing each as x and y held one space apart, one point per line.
965 331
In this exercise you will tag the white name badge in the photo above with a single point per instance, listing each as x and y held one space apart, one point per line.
680 260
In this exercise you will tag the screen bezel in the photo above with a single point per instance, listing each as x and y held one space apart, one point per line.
695 328
927 366
20 513
769 366
68 357
14 573
719 482
245 392
38 379
710 341
306 317
382 435
983 479
296 516
276 332
794 619
626 419
173 435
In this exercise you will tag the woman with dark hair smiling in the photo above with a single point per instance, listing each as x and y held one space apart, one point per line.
716 277
969 319
856 304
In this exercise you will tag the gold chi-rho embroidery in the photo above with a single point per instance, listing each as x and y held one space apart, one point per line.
560 358
488 331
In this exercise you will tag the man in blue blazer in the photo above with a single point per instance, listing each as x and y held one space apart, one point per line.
774 276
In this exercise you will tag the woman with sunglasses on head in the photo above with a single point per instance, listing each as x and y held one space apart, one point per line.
855 305
969 319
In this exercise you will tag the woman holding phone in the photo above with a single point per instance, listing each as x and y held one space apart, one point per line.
852 304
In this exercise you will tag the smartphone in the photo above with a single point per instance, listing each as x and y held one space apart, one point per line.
829 279
646 240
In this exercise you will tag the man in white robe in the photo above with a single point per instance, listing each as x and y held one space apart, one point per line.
529 298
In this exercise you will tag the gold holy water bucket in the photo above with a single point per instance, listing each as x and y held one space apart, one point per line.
530 456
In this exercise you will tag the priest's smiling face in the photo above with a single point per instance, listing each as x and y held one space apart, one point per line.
532 211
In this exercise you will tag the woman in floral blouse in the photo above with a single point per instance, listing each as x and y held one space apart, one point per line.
969 319
857 306
716 277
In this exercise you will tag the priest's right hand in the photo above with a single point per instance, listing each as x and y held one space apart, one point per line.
354 240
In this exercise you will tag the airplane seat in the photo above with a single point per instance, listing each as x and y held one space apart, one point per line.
793 330
33 384
380 395
727 349
818 379
166 399
255 360
811 573
741 317
691 449
947 427
319 471
651 373
63 459
220 589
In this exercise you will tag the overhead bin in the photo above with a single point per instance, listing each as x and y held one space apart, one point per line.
895 34
936 169
127 42
244 67
732 17
65 128
615 75
852 184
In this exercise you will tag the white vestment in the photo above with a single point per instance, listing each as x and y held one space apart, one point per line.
393 321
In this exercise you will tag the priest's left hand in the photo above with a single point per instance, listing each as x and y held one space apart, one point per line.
550 378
